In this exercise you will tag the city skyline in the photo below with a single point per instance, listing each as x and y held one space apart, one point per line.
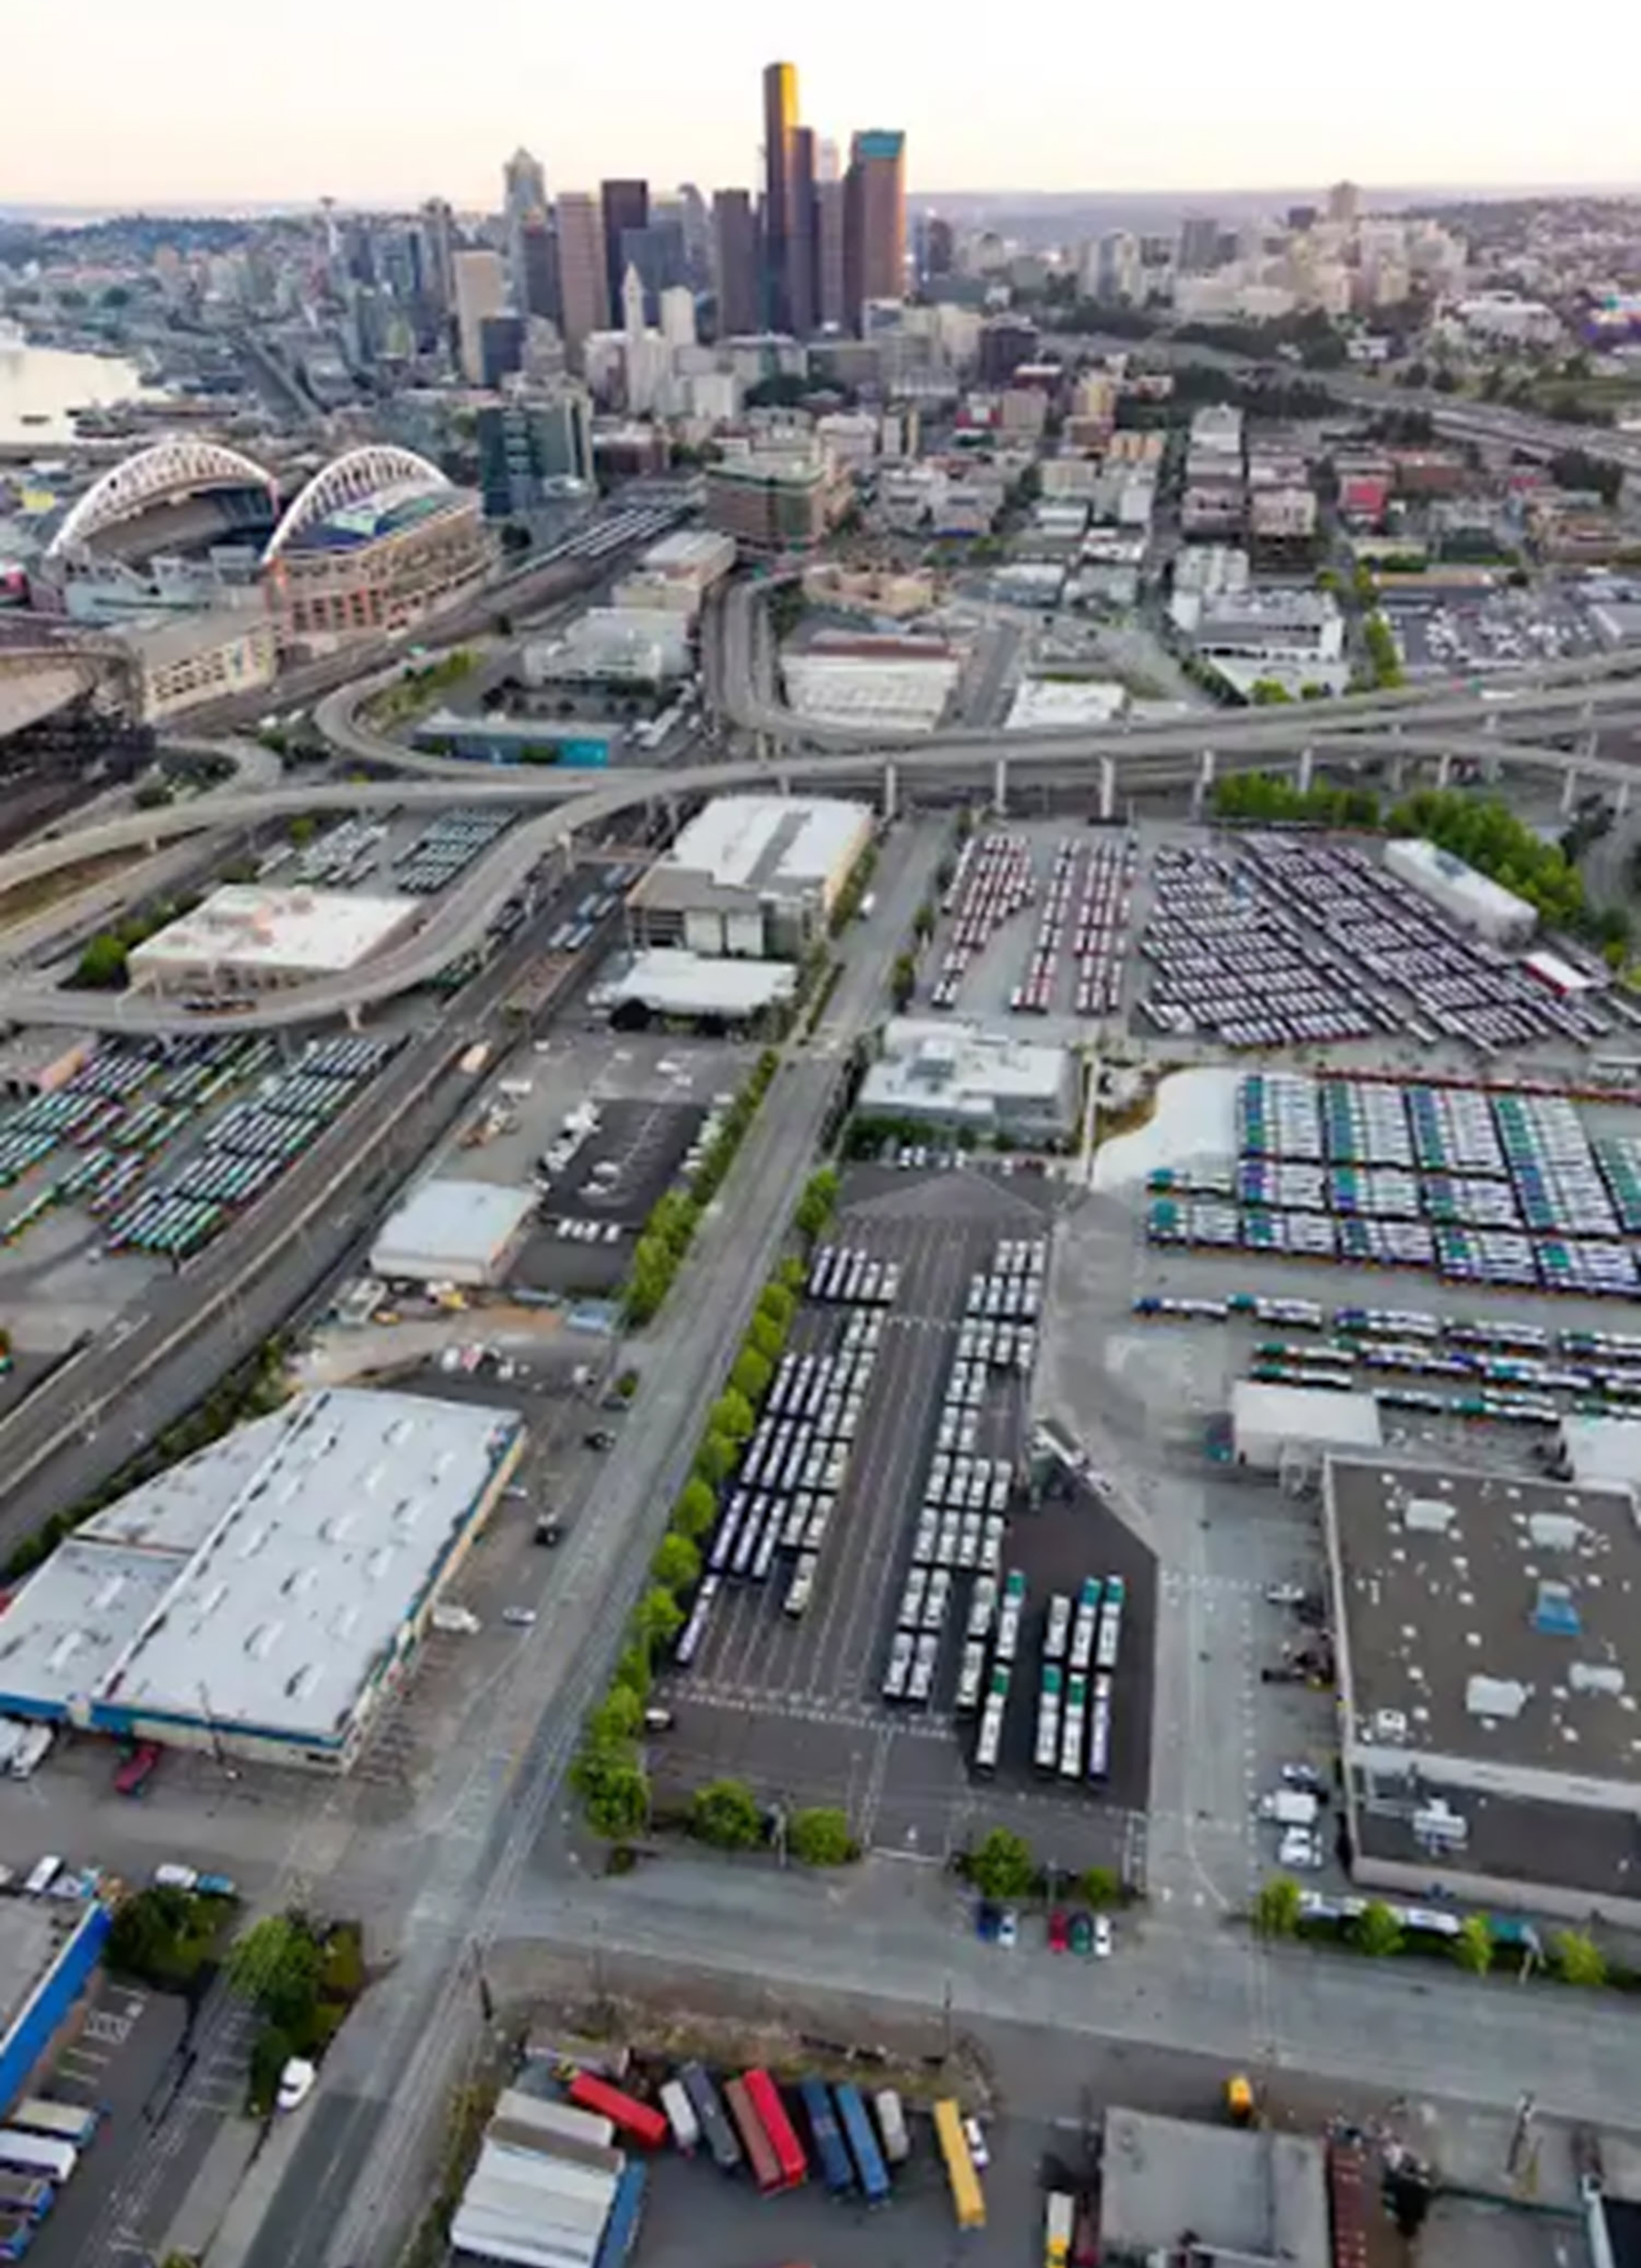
160 116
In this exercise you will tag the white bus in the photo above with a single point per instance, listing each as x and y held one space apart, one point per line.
34 2153
1100 1730
62 2122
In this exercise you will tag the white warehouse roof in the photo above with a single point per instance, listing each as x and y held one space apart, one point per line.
966 1075
669 980
1267 1419
771 842
263 1586
1064 704
449 1228
1602 1452
1458 890
246 927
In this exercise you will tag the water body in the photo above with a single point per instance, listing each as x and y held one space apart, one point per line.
40 384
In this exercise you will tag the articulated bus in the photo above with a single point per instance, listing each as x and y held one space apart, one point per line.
968 2201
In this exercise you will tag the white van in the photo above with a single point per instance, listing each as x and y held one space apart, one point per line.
42 1876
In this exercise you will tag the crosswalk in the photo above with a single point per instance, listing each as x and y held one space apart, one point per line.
849 1716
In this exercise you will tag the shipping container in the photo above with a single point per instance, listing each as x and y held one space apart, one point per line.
638 2121
862 2142
771 2111
708 2108
680 2115
621 2230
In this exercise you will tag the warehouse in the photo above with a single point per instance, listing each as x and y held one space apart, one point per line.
625 646
47 1952
901 684
261 1597
451 1232
1467 899
668 984
1288 1428
961 1076
1486 1639
1065 705
1171 2187
755 877
678 572
245 938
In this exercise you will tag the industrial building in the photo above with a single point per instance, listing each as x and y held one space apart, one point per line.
48 1954
1172 2188
1286 1428
900 684
1065 705
1486 1640
1470 900
668 984
188 660
245 938
677 573
260 1598
753 876
624 645
453 1232
962 1078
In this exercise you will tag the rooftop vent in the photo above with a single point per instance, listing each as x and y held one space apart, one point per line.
1428 1515
1495 1696
1595 1677
1555 1531
1555 1611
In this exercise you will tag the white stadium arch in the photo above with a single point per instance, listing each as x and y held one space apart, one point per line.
168 469
350 478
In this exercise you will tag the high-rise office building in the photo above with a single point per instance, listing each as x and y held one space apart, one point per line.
874 221
803 249
831 303
480 291
583 271
1345 204
535 278
735 262
528 446
658 254
781 157
437 275
501 349
1199 253
626 206
523 192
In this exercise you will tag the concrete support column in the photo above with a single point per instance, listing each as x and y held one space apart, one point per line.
1000 786
567 844
1204 783
356 1016
891 791
1107 787
1569 794
1308 765
1444 772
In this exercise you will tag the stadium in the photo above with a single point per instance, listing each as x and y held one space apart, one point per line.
374 542
171 524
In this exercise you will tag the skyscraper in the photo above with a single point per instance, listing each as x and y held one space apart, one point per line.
535 276
480 291
438 280
734 262
802 249
523 192
832 305
781 157
626 206
583 280
874 221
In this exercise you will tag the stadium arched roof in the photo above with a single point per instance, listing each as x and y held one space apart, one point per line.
155 475
351 479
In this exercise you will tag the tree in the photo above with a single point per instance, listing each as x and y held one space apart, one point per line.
1377 1931
777 1303
1099 1886
715 1460
731 1415
102 965
658 1618
276 1964
1473 1946
614 1793
922 922
751 1374
766 1337
303 828
618 1718
819 1201
903 984
695 1511
1001 1865
1268 693
821 1837
1276 1907
725 1813
633 1670
1578 1959
676 1564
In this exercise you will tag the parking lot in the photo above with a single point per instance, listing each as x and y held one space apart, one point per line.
902 1471
1489 630
1034 922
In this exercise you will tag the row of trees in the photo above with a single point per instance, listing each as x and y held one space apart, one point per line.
1486 834
1384 656
1267 797
608 1774
1003 1866
1377 1932
101 967
728 1815
667 1233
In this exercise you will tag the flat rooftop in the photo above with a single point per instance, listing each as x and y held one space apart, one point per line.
245 926
1059 703
1250 2197
262 1582
1488 1618
466 1223
32 1931
769 843
669 980
965 1071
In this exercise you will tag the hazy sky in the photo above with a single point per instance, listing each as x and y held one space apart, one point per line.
385 101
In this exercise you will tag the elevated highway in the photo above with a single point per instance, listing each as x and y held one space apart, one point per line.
1170 756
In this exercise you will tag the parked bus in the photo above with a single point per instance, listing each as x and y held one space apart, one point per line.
969 2202
771 2112
34 2153
760 2153
626 2210
636 2121
27 2193
707 2106
891 2126
1100 1729
65 2122
680 2115
836 2171
862 2142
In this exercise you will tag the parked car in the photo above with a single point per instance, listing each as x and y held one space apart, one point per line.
1008 1927
1059 1932
657 1719
521 1617
986 1921
295 2083
601 1437
975 2135
1285 1595
1082 1933
1306 1778
1103 1937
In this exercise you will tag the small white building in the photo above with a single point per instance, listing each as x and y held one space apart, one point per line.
246 938
964 1077
633 644
1065 705
754 877
675 985
1470 900
453 1232
1275 1425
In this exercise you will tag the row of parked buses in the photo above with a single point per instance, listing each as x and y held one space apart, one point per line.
39 2151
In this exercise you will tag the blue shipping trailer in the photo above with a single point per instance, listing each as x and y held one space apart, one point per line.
862 2142
835 2169
627 2210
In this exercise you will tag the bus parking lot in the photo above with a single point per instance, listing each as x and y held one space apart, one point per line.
902 1470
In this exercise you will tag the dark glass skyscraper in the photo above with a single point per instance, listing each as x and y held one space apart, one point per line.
626 206
780 160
